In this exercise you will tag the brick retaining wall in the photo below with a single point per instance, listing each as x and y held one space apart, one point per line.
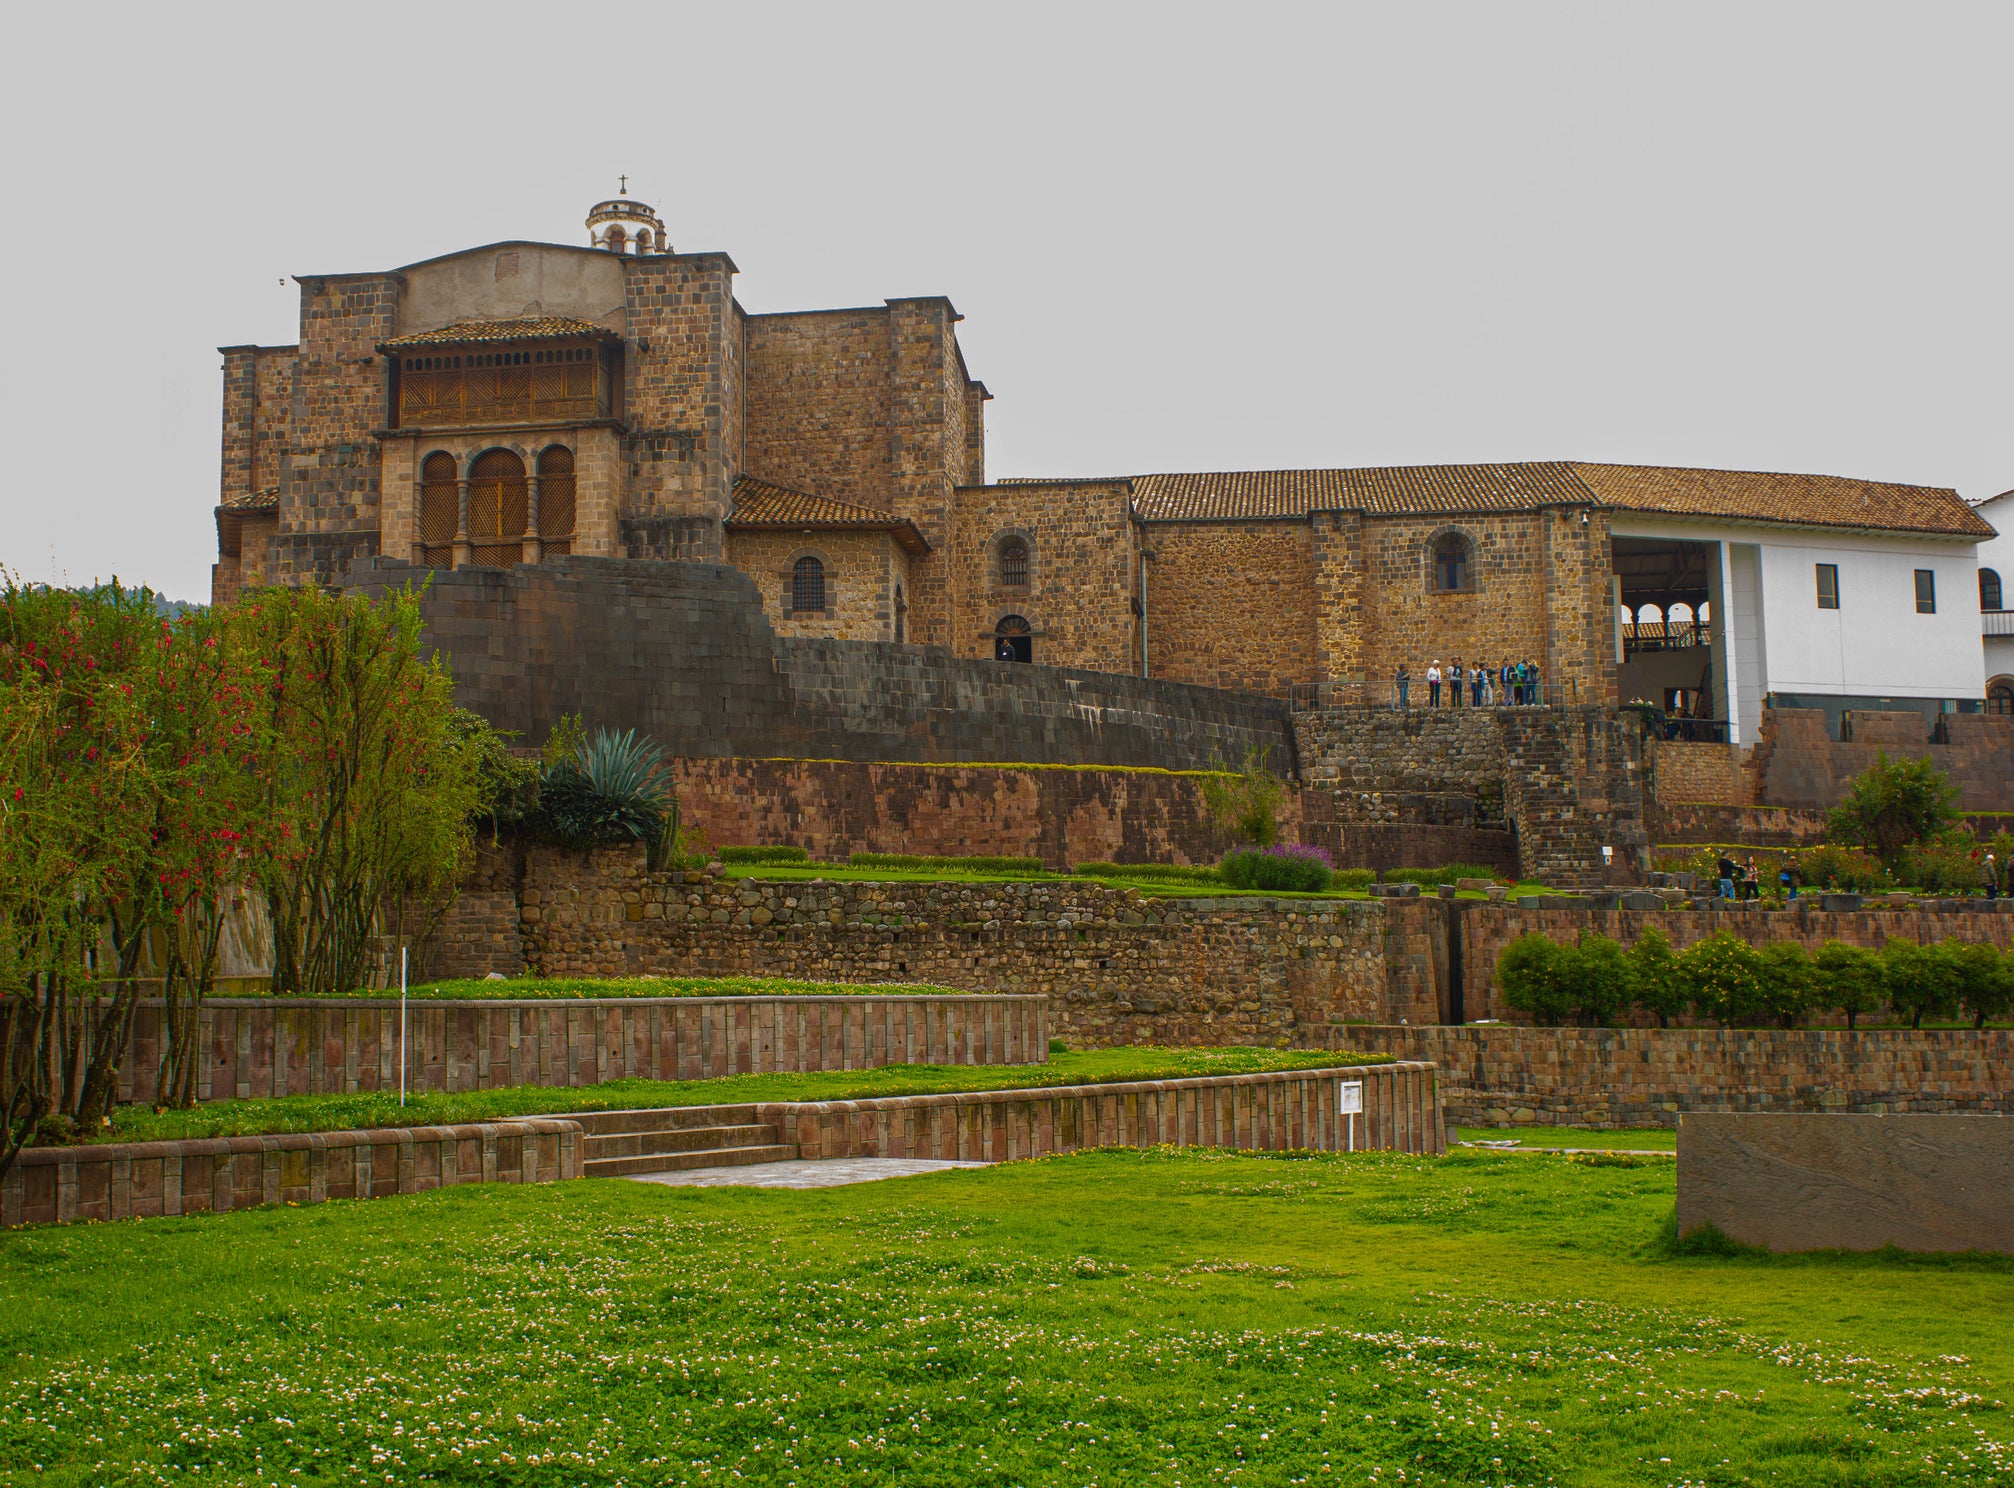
315 1046
1119 968
1634 1077
144 1179
1275 1111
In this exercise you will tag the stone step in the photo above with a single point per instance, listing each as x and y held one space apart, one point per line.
681 1139
679 1162
601 1123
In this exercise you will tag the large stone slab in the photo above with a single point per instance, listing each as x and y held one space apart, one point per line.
1823 1182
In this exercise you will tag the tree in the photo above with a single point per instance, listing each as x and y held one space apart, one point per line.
1537 975
1921 981
1893 805
1985 981
1849 978
1597 979
1724 978
1246 802
1654 982
1787 982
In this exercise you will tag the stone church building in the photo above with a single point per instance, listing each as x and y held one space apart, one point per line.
520 401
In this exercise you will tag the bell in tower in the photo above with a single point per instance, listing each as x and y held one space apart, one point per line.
625 225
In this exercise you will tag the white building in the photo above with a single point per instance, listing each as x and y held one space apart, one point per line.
1831 594
1996 620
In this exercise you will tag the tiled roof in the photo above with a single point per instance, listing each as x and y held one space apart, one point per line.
253 501
483 332
1802 500
1247 495
762 507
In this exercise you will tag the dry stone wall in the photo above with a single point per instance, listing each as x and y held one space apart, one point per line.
1641 1077
1118 968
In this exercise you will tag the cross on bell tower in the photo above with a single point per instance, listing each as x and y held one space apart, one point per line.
624 225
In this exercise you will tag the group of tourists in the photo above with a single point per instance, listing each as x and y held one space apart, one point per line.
1511 684
1739 880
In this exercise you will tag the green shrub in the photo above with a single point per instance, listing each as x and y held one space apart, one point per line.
955 865
1893 805
613 789
1150 872
1597 978
1922 981
1246 802
1848 978
1723 977
1946 865
1284 869
1357 879
1536 973
1985 981
1787 982
763 855
1848 869
1653 976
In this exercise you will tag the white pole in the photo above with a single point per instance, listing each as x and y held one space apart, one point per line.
402 1025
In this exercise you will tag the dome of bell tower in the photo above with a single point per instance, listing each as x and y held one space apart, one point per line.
623 224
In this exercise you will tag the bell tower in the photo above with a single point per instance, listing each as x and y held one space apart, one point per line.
624 225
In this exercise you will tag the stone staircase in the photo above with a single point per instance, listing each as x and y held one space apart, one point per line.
619 1144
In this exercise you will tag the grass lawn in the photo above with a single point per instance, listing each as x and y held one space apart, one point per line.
297 1113
1110 1318
1658 1138
1148 887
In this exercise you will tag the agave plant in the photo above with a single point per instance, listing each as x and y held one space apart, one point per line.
614 789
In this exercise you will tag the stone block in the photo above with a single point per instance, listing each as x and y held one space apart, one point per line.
1849 1182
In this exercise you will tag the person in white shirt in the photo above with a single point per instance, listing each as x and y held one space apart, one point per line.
1434 685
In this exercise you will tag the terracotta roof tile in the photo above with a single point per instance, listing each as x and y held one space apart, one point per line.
482 332
762 507
253 501
1247 495
1801 500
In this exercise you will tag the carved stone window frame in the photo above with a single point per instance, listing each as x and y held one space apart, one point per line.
1470 565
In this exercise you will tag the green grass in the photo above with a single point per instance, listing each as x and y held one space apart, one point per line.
1156 888
478 990
1660 1138
304 1113
1112 1318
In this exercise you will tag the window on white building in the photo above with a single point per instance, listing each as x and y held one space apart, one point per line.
1926 591
1989 590
1828 586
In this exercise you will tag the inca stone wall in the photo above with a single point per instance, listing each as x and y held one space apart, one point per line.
832 808
1117 968
1565 781
1635 1077
684 653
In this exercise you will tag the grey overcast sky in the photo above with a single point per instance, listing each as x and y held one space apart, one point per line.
1183 237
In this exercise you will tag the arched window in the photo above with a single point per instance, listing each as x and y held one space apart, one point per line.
556 501
618 240
807 585
1013 639
1453 571
1989 590
498 508
2000 697
440 509
643 240
1013 563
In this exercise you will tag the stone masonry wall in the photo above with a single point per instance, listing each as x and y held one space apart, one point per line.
683 652
862 570
1117 968
1231 604
1640 1077
1799 764
832 808
1082 563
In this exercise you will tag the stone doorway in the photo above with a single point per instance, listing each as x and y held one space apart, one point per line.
1013 639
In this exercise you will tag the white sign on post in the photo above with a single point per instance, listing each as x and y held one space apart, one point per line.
1349 1102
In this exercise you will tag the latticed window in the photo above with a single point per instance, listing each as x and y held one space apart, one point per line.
1452 567
499 505
807 585
1014 563
2000 699
518 385
556 500
440 509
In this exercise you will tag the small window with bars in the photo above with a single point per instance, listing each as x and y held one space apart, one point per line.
1828 586
1014 563
807 585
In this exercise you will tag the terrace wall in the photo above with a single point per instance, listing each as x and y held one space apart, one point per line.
1118 968
316 1046
1640 1077
144 1179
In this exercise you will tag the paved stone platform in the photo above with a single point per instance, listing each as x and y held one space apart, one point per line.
828 1172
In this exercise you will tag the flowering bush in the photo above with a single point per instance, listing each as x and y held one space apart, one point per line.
1285 867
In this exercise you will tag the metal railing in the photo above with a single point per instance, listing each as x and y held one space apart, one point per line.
1997 622
1419 695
